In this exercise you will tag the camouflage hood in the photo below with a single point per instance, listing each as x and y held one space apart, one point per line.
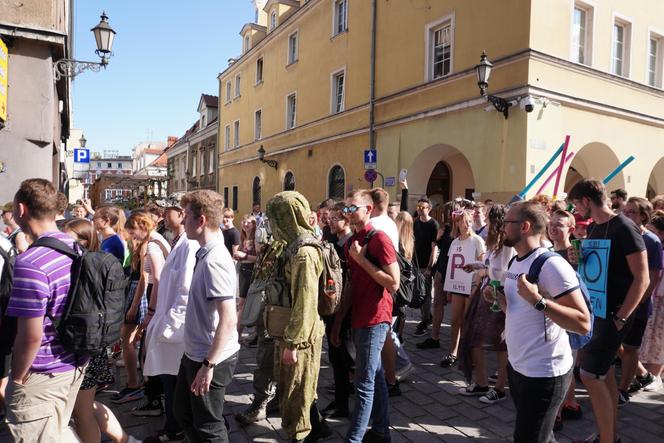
288 213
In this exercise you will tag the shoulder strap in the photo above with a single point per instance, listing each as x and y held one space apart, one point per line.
164 251
56 245
536 266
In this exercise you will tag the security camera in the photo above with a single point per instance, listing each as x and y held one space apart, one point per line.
527 103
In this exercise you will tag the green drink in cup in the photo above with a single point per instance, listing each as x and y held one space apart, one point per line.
495 285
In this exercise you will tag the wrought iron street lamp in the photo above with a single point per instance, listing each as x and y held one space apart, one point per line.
82 141
104 36
483 71
261 157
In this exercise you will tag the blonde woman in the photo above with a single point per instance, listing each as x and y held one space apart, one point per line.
465 240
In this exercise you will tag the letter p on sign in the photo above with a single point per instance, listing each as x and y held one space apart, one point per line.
458 262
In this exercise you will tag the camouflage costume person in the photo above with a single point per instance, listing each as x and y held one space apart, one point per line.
297 355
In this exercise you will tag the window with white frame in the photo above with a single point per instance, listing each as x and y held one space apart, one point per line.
246 43
236 133
440 48
655 51
227 137
582 32
338 91
211 161
237 85
258 124
194 157
259 70
292 47
273 20
340 16
228 91
620 48
291 111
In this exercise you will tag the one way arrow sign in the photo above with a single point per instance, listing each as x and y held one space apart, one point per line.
370 158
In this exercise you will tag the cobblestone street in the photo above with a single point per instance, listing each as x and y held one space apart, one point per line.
429 409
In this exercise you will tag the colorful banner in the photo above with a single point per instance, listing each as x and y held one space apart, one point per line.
594 270
456 279
4 63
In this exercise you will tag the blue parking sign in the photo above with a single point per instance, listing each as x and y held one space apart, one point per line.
81 155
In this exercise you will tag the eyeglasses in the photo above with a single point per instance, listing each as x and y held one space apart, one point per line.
352 209
512 221
422 206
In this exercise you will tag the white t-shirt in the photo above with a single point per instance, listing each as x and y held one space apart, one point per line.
154 248
536 346
7 247
497 263
387 225
473 243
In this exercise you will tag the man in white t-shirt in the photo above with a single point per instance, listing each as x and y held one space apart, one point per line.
537 317
210 329
380 221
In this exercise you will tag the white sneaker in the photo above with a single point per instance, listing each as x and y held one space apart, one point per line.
654 386
404 372
132 439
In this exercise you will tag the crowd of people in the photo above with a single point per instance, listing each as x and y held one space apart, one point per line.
198 288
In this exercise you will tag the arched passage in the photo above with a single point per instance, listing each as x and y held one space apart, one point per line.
443 171
656 180
594 160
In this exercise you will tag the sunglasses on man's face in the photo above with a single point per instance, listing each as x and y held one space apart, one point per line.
352 209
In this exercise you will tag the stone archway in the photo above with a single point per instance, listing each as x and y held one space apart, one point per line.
656 180
594 160
443 171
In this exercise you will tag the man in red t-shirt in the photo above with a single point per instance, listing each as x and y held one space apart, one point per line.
374 275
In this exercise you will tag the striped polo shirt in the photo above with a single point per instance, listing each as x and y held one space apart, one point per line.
42 278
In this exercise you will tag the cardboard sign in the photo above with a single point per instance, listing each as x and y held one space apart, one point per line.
456 279
594 272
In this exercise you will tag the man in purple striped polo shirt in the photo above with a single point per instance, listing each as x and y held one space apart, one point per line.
45 378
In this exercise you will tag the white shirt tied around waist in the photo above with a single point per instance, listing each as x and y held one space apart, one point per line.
536 346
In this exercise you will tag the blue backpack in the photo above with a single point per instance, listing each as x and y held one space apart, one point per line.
576 341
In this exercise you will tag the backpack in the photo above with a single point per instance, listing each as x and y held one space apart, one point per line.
576 341
411 281
7 324
95 305
328 302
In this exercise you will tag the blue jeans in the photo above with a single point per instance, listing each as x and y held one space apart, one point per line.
403 359
371 398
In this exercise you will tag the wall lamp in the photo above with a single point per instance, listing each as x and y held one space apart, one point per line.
104 36
483 71
261 157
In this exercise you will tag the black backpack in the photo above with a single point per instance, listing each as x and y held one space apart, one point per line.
411 281
95 306
7 324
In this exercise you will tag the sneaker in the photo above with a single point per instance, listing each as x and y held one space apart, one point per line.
253 342
449 361
429 343
404 372
570 413
256 411
374 437
646 380
128 394
623 398
655 386
393 390
148 409
634 386
493 396
273 405
557 425
474 389
493 378
594 438
420 331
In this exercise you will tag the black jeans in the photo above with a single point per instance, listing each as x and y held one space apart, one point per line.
341 361
537 400
168 382
201 417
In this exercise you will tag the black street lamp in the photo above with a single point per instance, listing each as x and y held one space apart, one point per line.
104 36
82 141
261 157
483 71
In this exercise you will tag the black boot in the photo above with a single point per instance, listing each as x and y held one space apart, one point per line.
319 427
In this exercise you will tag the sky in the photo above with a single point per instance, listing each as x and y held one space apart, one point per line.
165 54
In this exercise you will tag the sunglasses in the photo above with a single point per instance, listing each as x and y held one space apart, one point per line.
352 209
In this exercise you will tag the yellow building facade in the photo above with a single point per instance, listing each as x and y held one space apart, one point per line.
301 90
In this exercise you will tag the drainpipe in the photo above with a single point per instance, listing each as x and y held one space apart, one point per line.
372 87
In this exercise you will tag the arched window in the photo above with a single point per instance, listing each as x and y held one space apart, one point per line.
256 191
289 181
336 183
